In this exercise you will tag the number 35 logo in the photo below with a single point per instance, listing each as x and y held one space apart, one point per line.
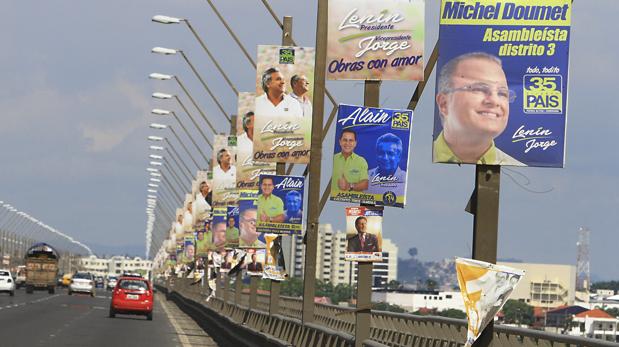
401 120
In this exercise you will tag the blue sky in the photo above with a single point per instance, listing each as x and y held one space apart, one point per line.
75 107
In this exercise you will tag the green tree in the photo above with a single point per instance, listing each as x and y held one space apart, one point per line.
431 284
383 306
614 285
292 287
393 285
452 313
342 292
518 312
612 311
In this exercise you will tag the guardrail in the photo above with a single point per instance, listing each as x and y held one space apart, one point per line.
335 325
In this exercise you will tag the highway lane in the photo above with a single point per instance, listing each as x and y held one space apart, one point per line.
41 319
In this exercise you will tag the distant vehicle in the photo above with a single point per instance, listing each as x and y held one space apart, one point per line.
111 282
99 281
132 295
66 279
7 284
20 276
82 282
41 268
132 274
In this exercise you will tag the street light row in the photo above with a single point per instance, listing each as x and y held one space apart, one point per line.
14 220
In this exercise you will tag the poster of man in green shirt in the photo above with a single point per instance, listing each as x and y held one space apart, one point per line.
350 170
275 215
232 232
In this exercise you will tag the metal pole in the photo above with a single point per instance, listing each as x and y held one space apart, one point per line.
189 135
183 145
208 90
226 287
223 73
484 205
179 157
194 121
280 169
253 289
238 287
311 234
364 274
195 104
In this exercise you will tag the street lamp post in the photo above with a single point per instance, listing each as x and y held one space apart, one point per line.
169 51
158 111
172 20
165 96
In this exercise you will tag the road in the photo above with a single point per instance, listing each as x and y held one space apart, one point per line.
41 319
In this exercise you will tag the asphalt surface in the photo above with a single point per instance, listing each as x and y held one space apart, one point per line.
41 319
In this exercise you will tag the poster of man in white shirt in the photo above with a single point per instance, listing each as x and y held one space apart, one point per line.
224 170
248 170
283 122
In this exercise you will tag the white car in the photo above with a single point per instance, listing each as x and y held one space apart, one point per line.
82 282
7 284
111 282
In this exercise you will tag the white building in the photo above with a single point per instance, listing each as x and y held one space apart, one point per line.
595 324
420 300
115 265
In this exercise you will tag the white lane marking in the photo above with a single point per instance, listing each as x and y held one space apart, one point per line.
179 331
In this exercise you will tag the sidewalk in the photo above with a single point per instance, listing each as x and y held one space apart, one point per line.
188 332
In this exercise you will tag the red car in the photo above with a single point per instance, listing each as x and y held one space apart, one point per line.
132 295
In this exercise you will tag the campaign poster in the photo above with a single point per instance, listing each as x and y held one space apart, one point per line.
280 204
189 249
203 242
485 288
232 227
249 237
370 156
180 247
202 194
224 170
364 234
231 260
218 228
248 170
283 104
275 263
254 261
188 214
375 40
501 89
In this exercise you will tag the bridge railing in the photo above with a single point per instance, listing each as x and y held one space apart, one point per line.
334 325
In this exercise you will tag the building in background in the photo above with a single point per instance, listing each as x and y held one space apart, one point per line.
595 324
545 285
418 300
116 265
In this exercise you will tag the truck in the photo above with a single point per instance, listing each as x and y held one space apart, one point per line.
41 268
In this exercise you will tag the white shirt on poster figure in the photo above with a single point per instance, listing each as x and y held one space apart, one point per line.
305 104
200 207
226 179
287 107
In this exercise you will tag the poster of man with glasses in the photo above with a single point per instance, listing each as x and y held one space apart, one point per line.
501 97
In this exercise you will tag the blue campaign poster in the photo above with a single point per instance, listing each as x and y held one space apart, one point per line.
280 204
502 78
370 156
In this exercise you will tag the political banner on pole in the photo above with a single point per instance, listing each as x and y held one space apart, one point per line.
280 204
232 227
283 104
275 263
203 243
248 170
201 207
375 40
502 78
189 248
485 288
224 170
370 159
364 234
249 237
254 261
218 227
